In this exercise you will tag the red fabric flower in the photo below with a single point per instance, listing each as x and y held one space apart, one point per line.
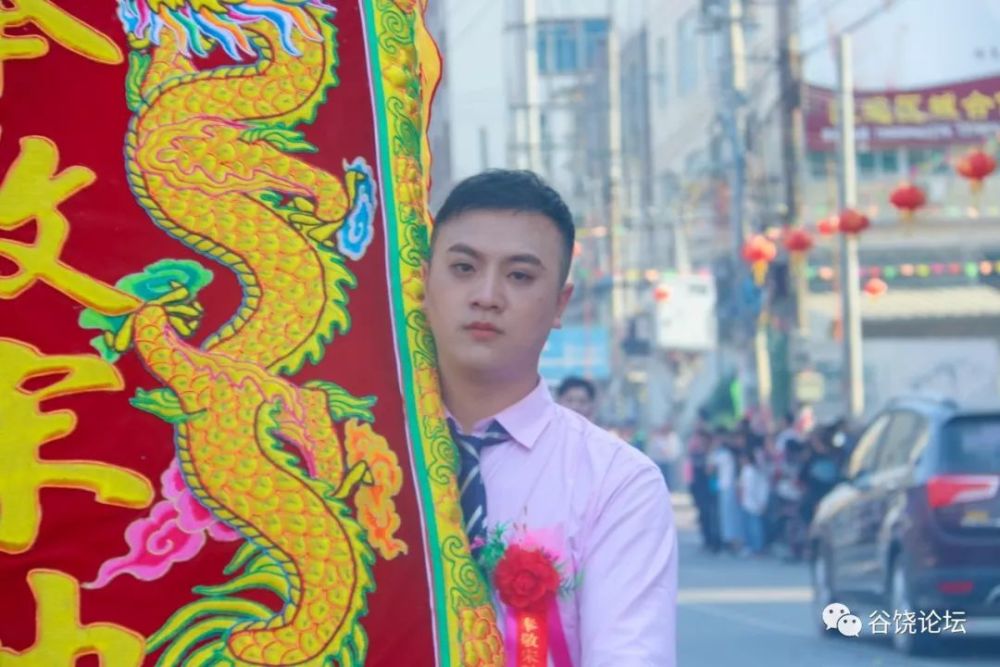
526 580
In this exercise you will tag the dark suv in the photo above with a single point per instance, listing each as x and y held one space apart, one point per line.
915 524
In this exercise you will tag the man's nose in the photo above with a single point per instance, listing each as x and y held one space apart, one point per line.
488 293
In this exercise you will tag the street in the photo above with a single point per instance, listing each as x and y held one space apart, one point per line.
756 612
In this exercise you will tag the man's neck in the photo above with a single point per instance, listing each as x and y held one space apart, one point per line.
472 399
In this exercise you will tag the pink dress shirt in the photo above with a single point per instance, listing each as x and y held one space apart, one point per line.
608 509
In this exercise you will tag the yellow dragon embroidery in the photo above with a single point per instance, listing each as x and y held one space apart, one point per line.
210 155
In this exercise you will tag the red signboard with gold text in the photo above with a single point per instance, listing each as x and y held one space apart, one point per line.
960 113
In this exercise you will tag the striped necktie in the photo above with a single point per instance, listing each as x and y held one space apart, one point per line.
472 491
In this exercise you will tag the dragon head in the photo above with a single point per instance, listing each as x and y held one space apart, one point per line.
199 25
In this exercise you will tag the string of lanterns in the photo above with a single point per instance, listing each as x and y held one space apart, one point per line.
760 250
913 270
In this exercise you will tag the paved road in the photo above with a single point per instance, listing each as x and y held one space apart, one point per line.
756 612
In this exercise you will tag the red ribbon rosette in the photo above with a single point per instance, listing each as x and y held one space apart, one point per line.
527 581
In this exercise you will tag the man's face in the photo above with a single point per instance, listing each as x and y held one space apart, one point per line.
578 400
493 291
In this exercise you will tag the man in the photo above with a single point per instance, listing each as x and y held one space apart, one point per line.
578 395
786 433
665 448
495 287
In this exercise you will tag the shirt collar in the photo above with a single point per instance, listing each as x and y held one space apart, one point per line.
525 420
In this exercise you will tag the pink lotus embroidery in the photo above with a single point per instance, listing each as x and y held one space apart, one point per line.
175 531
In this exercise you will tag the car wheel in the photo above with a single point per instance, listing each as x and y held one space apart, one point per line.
901 601
822 591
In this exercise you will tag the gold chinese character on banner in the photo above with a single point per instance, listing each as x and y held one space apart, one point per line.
977 105
56 24
907 108
61 639
24 473
876 110
943 105
32 190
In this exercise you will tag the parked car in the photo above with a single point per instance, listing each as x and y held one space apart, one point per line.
915 523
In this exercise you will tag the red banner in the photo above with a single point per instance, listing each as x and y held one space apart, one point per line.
960 113
221 439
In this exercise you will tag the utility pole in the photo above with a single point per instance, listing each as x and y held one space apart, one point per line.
790 101
615 236
534 161
614 211
847 193
484 149
734 89
523 86
789 73
733 98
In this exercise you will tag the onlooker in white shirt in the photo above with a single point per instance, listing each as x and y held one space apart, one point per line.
723 462
754 490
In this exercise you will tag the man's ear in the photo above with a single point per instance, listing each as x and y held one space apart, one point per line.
564 296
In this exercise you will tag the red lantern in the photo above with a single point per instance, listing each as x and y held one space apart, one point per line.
851 221
876 287
907 198
828 226
759 252
661 294
798 242
975 166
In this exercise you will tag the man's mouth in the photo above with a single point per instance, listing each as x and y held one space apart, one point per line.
482 327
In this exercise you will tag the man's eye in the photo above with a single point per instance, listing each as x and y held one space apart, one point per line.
461 267
521 276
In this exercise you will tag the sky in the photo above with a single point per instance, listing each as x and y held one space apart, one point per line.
911 44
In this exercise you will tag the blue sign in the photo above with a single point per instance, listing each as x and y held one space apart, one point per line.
576 350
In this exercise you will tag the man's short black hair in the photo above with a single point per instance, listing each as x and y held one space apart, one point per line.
573 382
510 190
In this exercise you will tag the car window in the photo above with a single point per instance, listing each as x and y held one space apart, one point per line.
864 456
971 445
905 433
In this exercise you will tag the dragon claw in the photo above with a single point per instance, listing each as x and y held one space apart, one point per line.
304 205
183 313
178 294
185 318
121 340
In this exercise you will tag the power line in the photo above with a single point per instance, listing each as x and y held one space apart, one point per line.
819 10
851 27
812 50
